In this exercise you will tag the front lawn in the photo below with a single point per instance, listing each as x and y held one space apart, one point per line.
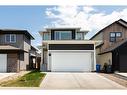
32 79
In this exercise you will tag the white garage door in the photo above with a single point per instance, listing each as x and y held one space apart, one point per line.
71 61
3 63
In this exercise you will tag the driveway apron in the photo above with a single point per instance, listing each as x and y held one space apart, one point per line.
59 80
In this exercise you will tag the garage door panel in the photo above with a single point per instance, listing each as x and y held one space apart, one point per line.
3 63
71 61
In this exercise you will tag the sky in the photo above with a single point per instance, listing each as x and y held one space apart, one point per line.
37 18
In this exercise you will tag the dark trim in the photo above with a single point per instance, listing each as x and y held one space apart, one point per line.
73 34
71 47
53 33
25 32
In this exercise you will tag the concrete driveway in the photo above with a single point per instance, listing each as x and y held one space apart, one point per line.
4 75
54 80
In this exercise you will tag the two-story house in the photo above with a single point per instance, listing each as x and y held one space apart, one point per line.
65 49
113 49
14 50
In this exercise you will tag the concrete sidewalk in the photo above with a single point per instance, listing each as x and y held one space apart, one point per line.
4 75
78 81
122 74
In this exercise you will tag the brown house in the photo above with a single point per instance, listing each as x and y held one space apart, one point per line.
14 50
113 49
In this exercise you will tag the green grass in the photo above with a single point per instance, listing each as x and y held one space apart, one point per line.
32 79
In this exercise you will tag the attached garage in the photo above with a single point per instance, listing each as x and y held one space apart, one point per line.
71 61
71 57
3 63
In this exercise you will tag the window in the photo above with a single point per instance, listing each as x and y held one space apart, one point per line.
46 36
80 36
10 38
114 36
118 34
63 35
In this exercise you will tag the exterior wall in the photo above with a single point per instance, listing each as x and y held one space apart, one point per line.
97 56
105 58
12 63
27 44
98 37
45 56
19 41
24 61
113 28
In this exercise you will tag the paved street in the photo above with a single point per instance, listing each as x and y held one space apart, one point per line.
55 80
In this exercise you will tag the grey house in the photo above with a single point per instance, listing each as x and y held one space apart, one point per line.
66 49
14 50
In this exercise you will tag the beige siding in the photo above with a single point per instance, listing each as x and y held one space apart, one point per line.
105 58
45 57
24 61
27 44
97 56
98 37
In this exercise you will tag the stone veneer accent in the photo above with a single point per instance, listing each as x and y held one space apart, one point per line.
12 62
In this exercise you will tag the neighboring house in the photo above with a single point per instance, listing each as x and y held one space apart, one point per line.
15 48
65 49
113 49
35 58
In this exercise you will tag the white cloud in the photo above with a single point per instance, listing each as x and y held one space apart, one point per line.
85 17
88 9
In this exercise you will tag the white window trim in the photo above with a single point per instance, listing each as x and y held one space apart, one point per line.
10 41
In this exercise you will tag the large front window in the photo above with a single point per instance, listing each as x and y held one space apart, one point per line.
63 35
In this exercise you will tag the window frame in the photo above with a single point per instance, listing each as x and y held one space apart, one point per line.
58 35
120 34
115 37
10 38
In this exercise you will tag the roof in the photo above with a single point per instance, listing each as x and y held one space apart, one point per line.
8 47
120 21
113 47
62 28
6 31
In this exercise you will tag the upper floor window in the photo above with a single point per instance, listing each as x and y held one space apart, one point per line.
46 36
114 36
80 36
10 38
63 35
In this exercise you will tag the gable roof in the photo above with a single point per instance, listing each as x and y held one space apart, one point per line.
14 31
120 21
